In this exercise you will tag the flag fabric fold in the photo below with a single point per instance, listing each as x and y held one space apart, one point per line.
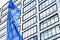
13 21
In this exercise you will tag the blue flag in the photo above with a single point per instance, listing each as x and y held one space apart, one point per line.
13 21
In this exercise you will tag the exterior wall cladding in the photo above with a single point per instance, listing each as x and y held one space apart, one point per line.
40 19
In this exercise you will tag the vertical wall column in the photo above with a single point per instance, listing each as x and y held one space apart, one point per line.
58 6
0 15
38 20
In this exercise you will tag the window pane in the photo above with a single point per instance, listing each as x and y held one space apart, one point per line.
45 34
34 38
44 14
54 7
41 6
29 32
52 20
45 24
57 29
25 34
41 16
50 1
34 20
42 26
48 22
25 1
49 33
34 11
56 18
42 36
34 30
51 10
24 25
53 31
46 3
47 12
28 23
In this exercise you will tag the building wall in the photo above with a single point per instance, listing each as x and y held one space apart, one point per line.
40 19
0 15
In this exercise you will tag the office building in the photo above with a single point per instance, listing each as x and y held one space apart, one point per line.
40 19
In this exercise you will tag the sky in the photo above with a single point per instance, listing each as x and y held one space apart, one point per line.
2 2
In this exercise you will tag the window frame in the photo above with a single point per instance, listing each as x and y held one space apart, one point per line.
45 5
50 21
33 37
27 2
51 32
28 5
49 11
30 24
29 29
28 13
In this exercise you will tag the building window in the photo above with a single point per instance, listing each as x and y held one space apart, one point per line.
48 11
45 3
4 19
29 6
29 14
49 21
26 1
4 13
30 32
29 22
42 36
40 0
49 33
33 38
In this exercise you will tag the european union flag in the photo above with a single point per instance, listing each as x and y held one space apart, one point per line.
12 23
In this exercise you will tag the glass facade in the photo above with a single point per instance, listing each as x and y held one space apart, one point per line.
46 3
32 4
48 16
29 14
48 11
51 32
27 1
29 22
29 32
49 21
